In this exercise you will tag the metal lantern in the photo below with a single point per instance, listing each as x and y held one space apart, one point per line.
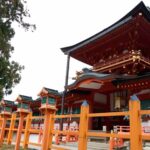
24 103
6 107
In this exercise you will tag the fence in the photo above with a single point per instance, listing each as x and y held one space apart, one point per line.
9 126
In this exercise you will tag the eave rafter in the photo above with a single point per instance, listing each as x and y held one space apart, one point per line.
135 57
112 39
135 86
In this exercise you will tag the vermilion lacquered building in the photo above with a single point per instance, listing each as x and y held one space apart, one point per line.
119 57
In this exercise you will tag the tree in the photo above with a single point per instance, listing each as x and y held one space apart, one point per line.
11 11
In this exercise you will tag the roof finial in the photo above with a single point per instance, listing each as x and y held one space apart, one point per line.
134 97
85 103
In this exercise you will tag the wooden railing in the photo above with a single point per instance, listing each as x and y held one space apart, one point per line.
132 133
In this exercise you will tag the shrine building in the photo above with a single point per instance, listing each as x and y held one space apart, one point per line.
119 57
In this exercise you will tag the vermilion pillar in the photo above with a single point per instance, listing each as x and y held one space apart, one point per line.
26 131
3 130
20 127
135 124
12 124
4 115
83 127
23 109
48 112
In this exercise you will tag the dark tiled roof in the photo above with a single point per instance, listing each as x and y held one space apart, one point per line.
27 98
90 75
52 91
7 102
98 76
139 8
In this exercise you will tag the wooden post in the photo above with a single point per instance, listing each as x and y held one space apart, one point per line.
2 133
52 121
48 127
19 131
12 124
26 132
1 121
83 127
111 142
135 124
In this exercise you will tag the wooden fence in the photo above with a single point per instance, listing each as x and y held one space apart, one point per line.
135 134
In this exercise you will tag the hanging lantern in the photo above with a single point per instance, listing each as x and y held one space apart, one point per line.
117 102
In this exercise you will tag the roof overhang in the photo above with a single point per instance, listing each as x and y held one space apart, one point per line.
49 92
107 83
92 81
103 40
91 85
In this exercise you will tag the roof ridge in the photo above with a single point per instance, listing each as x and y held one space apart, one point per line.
26 97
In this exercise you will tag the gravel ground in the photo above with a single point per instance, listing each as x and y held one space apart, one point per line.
10 147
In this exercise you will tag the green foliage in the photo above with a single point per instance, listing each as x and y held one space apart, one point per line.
11 11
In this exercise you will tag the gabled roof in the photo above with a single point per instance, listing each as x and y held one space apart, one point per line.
24 98
49 91
106 82
93 77
28 98
138 9
7 102
52 91
88 75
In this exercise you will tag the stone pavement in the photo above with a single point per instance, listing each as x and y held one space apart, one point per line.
91 146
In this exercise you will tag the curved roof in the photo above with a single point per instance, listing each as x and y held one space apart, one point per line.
92 77
105 82
139 8
8 102
130 32
50 92
25 98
